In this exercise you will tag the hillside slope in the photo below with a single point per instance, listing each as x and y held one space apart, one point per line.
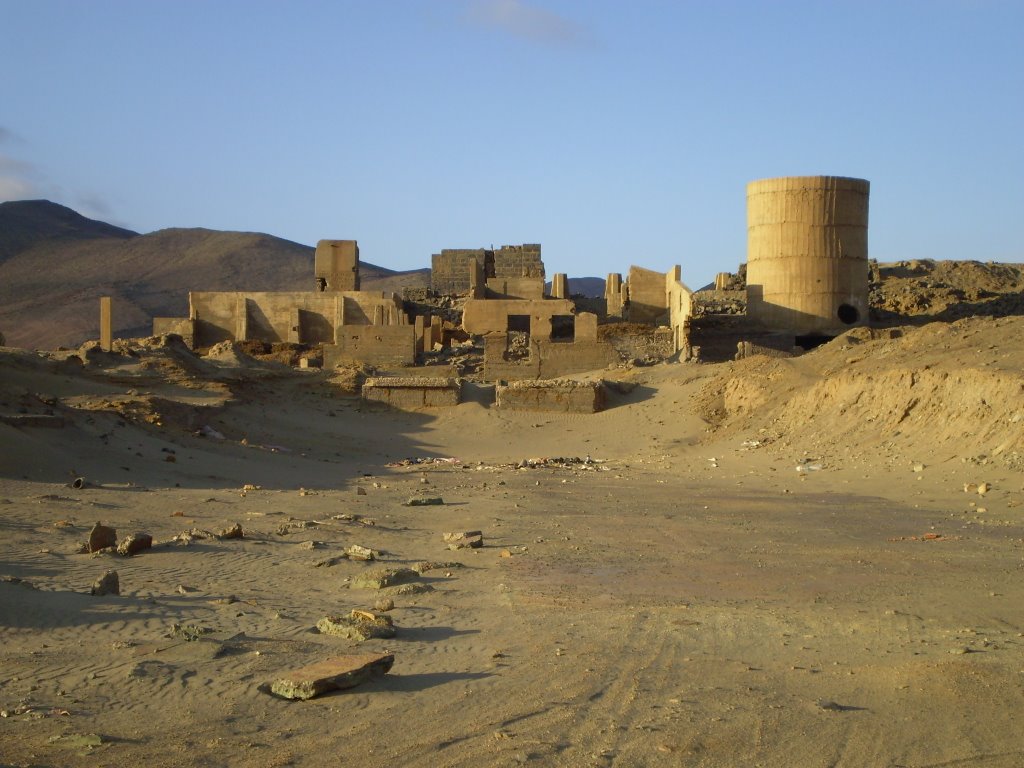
55 264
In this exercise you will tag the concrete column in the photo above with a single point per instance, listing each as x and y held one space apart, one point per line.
560 286
106 324
419 326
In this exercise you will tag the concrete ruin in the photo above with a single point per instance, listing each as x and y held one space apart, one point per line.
451 269
807 254
564 396
352 325
413 392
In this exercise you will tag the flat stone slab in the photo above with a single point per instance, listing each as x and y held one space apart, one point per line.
551 395
334 674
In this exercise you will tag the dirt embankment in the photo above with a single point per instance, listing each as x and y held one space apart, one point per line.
955 389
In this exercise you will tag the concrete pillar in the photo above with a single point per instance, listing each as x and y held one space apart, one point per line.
613 295
378 315
722 280
807 254
106 324
560 286
418 325
436 331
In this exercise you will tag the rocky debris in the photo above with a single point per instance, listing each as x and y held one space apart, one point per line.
357 626
351 518
430 565
464 539
360 491
415 588
296 525
102 537
424 501
133 544
379 578
17 580
107 584
234 532
383 604
188 632
193 534
358 552
352 552
332 674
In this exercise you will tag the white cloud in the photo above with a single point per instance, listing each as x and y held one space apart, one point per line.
526 21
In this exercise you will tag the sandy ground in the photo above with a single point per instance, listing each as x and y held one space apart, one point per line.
689 598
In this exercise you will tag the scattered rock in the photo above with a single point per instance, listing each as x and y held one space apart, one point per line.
135 543
234 532
464 539
360 491
357 626
383 604
101 537
408 589
107 584
311 544
378 578
337 673
77 740
188 632
357 552
424 501
429 565
983 488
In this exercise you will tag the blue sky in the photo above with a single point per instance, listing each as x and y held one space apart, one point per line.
613 133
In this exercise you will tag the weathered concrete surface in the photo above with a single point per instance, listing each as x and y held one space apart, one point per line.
336 265
412 392
807 253
558 395
334 674
383 345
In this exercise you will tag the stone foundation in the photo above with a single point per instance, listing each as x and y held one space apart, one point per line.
553 395
412 392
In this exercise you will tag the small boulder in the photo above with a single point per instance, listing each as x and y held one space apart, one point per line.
132 545
378 578
234 532
464 539
101 537
357 626
107 584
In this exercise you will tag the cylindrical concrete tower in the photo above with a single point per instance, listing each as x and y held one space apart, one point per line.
807 254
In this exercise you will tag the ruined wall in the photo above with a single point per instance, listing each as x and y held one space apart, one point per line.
647 300
638 342
680 310
483 316
450 270
413 392
379 345
559 396
307 317
531 288
544 359
336 265
519 261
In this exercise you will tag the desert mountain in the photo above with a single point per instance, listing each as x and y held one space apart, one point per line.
55 264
